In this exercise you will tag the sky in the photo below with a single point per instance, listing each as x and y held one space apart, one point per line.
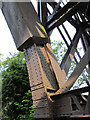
7 44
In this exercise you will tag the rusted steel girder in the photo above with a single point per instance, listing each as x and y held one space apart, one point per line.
52 97
24 24
72 106
31 37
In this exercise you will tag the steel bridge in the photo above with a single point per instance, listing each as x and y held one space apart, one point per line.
52 93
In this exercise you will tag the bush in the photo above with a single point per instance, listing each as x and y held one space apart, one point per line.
16 95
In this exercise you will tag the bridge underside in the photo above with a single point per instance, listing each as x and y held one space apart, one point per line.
52 93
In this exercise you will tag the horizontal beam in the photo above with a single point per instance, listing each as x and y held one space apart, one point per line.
72 92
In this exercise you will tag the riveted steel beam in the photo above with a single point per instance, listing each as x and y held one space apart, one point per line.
24 24
41 78
61 11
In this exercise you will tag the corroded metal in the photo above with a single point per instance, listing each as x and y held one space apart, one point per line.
25 26
51 92
41 79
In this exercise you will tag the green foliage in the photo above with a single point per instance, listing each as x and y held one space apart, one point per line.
0 61
59 50
0 87
16 94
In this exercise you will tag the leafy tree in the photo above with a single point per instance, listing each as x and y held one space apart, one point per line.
16 94
0 60
0 87
59 50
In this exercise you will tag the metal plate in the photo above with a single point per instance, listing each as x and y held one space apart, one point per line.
62 107
48 76
41 103
38 86
60 76
41 77
35 75
42 113
39 94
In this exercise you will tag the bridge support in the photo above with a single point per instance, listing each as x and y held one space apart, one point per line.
51 92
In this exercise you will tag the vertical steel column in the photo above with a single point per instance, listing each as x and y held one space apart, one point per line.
41 79
30 36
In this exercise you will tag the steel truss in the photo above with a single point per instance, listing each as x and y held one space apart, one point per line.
52 95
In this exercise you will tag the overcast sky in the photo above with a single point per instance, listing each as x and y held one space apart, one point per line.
6 41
